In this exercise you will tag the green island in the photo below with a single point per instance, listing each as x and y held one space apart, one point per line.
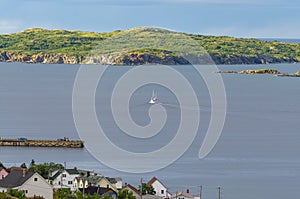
141 45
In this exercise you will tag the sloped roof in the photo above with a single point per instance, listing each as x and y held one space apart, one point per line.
151 181
69 171
91 190
15 178
112 180
90 179
132 188
55 175
72 171
188 195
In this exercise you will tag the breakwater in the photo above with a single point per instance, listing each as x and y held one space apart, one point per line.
66 143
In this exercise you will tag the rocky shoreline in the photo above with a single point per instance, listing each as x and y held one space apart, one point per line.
262 71
133 59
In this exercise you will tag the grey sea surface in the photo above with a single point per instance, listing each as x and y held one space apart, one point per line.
257 155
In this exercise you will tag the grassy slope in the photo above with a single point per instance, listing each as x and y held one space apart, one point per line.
153 41
36 40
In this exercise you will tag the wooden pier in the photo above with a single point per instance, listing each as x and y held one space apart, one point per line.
65 143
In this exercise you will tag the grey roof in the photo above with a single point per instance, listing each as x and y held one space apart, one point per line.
15 178
112 180
72 171
55 175
98 190
90 179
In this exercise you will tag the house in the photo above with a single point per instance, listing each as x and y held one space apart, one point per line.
116 182
105 183
97 181
3 173
160 189
136 193
30 182
85 181
132 189
64 178
185 195
91 190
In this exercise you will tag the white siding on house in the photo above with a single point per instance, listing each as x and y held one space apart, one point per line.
119 184
160 189
65 180
36 185
2 189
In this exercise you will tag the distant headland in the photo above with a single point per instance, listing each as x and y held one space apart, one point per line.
160 46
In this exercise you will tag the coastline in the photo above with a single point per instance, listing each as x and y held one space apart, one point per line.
133 59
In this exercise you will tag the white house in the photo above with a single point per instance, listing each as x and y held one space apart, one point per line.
160 189
30 182
64 178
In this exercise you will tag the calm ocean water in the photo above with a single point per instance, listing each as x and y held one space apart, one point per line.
256 156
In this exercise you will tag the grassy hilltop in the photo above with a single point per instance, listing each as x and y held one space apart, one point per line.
139 46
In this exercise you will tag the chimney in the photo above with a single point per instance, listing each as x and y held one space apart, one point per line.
188 191
24 172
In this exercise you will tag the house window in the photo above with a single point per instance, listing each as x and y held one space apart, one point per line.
58 182
26 191
162 191
70 182
2 177
107 186
35 179
64 175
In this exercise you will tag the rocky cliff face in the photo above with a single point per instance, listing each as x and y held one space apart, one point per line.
136 59
39 58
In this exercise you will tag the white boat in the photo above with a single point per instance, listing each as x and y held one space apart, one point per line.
153 99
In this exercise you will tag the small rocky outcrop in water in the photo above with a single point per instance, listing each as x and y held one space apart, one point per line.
296 74
263 71
260 71
257 71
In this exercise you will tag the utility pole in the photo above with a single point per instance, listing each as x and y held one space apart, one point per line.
141 191
219 192
200 192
